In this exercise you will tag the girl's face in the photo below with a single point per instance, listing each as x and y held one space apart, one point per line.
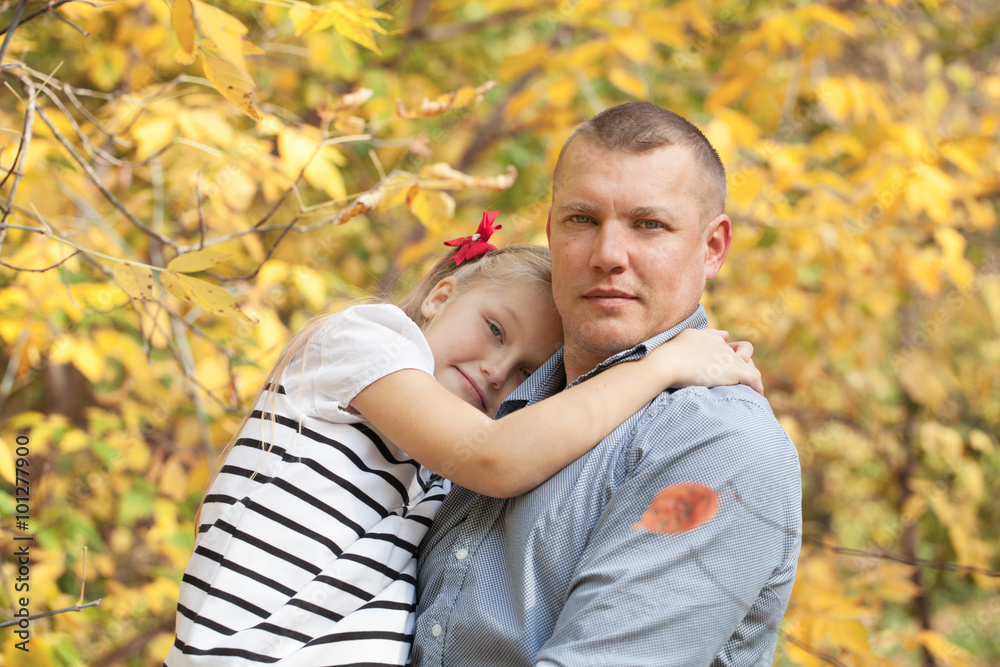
487 339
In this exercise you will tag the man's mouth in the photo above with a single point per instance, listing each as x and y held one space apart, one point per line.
608 298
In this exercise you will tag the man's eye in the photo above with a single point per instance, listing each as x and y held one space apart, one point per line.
495 330
579 218
650 224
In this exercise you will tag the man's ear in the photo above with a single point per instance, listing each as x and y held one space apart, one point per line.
548 227
718 235
437 297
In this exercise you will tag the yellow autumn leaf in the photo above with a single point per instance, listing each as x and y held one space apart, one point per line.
897 590
633 45
81 353
961 159
850 635
199 260
74 441
225 31
628 82
173 480
952 243
515 65
936 98
938 646
7 458
663 26
432 208
182 18
931 190
981 441
230 80
298 150
251 49
357 23
152 135
135 280
831 17
212 298
395 189
311 286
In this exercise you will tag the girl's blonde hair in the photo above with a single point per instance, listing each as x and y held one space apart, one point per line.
514 264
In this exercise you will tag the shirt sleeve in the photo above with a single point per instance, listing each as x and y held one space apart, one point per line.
355 348
689 598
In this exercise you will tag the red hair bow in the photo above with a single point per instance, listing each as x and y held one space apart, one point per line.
476 245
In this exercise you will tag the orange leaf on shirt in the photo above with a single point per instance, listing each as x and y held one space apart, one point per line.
680 507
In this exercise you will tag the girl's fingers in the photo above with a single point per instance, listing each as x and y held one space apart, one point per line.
743 348
719 332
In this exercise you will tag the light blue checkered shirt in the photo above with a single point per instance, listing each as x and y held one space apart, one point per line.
559 576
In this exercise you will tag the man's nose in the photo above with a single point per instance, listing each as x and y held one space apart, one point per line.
610 248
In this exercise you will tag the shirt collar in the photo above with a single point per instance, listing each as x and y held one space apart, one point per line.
551 377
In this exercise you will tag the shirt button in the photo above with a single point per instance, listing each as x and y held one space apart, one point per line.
436 629
462 554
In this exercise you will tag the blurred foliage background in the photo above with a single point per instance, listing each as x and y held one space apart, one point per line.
297 156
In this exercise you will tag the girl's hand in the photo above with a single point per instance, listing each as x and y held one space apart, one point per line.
701 357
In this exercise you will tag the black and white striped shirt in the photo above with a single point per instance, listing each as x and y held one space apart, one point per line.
306 549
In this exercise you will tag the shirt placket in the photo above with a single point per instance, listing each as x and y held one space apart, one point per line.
434 624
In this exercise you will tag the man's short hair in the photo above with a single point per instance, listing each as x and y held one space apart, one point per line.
637 127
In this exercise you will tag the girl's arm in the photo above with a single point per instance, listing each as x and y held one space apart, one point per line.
510 456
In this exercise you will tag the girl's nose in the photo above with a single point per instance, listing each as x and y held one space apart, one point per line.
497 370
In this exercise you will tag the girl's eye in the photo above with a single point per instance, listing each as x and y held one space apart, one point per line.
495 330
526 373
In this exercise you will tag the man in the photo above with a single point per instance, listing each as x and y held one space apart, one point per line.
562 575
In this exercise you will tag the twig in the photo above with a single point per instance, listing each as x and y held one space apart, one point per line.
72 25
439 33
733 597
270 251
201 217
900 558
92 150
17 167
489 131
83 577
47 268
76 607
861 553
12 365
96 180
48 7
822 655
11 27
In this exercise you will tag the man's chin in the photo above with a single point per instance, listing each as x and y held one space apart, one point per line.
606 341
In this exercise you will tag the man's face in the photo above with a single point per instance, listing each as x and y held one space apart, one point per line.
630 256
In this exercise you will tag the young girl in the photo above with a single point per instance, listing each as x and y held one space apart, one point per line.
308 535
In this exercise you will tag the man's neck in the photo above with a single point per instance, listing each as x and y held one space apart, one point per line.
578 362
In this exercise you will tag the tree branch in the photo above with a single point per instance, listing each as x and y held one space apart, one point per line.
44 614
96 180
49 6
11 27
22 153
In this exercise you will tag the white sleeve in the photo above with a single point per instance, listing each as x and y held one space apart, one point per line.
353 349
